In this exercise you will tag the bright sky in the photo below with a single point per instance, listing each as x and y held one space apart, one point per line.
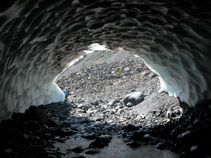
92 48
95 46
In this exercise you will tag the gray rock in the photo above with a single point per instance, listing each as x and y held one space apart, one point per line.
83 107
131 127
134 144
37 114
78 149
80 106
133 98
114 103
152 75
95 102
129 104
100 142
174 112
139 69
93 151
126 69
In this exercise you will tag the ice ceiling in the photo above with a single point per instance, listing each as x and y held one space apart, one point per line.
39 37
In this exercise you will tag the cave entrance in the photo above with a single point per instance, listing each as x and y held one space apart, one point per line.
113 94
116 87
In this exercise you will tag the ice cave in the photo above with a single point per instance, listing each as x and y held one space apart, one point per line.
39 38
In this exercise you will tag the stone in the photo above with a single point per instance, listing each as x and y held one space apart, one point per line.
138 135
174 112
89 136
64 132
130 127
160 145
134 144
78 149
124 135
99 119
182 135
37 114
152 75
80 106
8 151
193 148
114 103
100 142
133 98
92 151
139 69
33 125
79 156
145 73
129 104
126 69
96 102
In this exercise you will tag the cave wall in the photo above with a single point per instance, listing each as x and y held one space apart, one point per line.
38 38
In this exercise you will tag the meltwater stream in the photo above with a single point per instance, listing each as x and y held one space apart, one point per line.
116 149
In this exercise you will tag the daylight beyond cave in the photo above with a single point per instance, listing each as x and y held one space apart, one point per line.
39 38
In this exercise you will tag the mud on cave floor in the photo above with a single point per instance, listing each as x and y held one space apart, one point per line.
52 131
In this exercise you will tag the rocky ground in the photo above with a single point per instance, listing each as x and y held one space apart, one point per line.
109 109
98 90
35 133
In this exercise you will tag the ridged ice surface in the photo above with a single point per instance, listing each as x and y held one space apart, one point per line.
39 37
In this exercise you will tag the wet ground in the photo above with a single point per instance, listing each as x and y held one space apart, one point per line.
52 132
117 148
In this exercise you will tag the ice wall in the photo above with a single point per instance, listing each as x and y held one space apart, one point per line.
180 77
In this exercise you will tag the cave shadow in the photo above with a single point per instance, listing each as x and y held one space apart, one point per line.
33 133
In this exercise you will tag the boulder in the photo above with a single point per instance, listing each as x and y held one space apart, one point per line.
93 151
95 102
134 144
130 127
100 142
133 98
114 103
78 149
138 135
126 69
84 107
37 114
174 112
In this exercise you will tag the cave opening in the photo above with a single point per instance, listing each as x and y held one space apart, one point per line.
106 79
113 93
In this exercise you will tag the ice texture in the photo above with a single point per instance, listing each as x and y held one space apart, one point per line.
39 38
